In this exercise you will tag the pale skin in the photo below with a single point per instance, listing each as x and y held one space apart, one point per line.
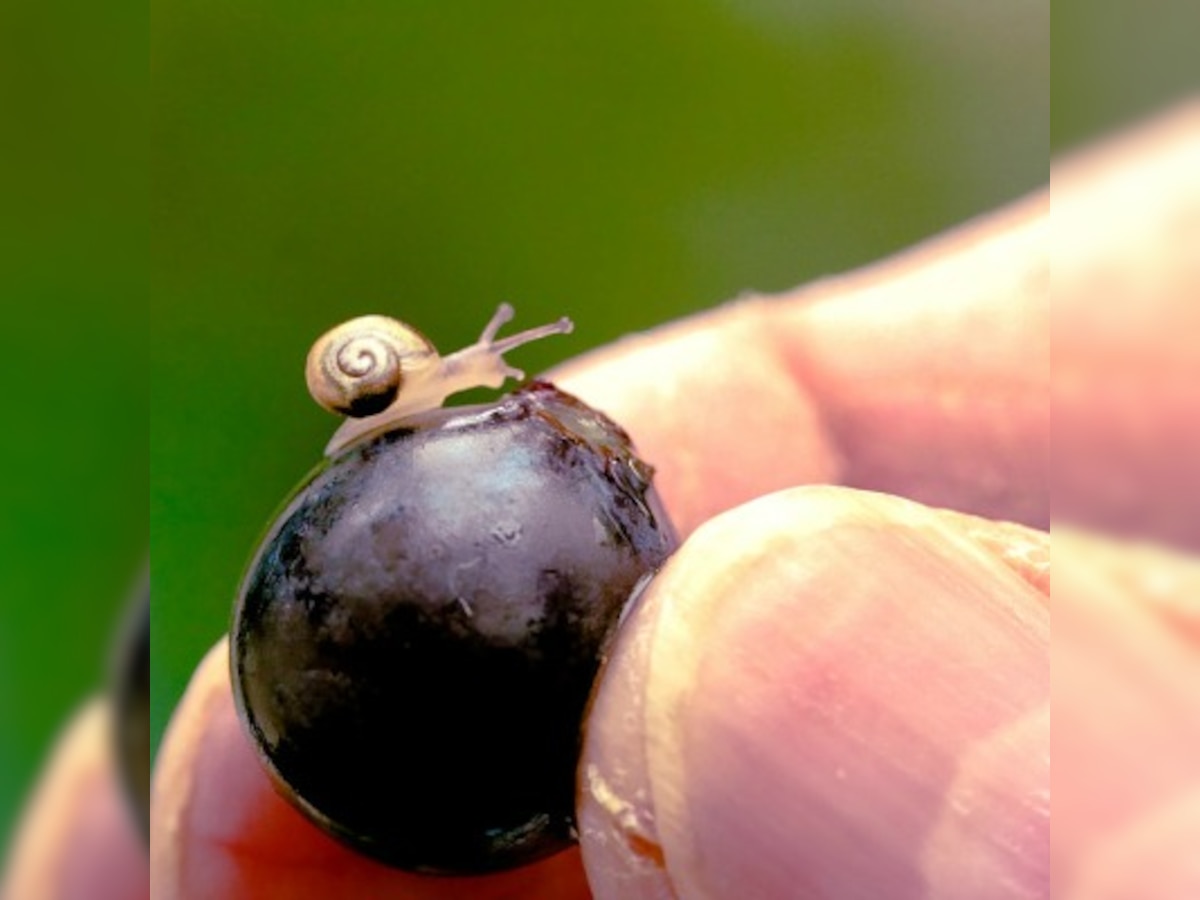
831 691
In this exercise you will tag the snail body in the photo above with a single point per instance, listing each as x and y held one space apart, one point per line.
379 371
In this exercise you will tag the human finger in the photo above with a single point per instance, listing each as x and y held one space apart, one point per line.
77 839
925 375
1127 720
219 829
828 693
1125 279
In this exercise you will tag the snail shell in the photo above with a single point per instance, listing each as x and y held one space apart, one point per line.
357 368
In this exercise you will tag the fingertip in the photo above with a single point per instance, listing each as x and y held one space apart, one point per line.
824 692
77 839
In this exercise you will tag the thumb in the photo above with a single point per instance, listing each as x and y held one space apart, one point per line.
828 693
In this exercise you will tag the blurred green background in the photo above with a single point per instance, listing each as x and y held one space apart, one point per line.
74 451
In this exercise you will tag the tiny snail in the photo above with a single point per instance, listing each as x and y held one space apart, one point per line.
380 371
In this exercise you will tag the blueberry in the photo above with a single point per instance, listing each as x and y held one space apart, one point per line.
414 643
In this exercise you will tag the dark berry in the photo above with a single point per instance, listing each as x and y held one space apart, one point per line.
414 643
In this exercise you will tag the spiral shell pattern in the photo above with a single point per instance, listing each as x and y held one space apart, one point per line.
356 369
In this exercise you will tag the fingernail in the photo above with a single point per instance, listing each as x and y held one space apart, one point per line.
843 697
622 852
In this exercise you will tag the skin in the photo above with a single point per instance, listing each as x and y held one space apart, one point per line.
77 838
832 691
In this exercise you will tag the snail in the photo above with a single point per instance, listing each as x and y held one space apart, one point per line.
380 371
